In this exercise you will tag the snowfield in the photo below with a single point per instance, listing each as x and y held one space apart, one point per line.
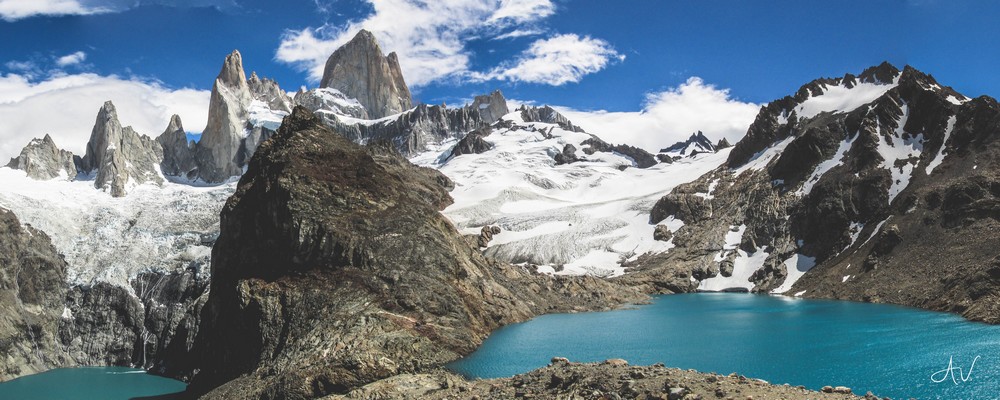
585 217
111 239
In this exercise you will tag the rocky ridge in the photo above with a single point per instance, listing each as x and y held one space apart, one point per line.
611 379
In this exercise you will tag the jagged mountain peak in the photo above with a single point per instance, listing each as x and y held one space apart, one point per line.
697 143
232 74
175 124
361 71
884 73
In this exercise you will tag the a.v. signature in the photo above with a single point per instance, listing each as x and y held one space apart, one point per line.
951 372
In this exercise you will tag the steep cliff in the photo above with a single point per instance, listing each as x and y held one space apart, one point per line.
218 154
361 71
32 290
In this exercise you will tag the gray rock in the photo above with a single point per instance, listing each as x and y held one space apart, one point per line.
178 152
491 107
41 159
120 157
547 115
486 235
567 156
361 71
218 153
267 91
473 143
662 233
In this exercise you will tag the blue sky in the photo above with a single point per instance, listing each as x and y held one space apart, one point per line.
623 57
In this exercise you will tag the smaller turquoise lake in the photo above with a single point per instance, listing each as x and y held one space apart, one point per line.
892 351
89 383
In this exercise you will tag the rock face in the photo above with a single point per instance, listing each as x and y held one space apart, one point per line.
41 159
178 152
219 151
32 290
547 115
120 157
334 269
491 107
640 157
361 71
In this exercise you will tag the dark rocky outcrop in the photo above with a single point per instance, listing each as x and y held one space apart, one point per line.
361 71
335 269
567 155
413 131
41 159
641 158
486 235
32 290
547 115
178 152
473 143
120 157
610 379
694 145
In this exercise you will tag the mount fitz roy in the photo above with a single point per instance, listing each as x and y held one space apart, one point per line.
370 240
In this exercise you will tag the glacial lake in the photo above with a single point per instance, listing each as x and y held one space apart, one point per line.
89 383
892 351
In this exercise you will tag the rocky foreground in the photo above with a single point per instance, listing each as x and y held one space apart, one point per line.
611 379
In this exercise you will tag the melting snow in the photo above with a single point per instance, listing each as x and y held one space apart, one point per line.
939 158
796 266
840 98
743 267
826 166
898 148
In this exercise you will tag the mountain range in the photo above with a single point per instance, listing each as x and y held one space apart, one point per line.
320 242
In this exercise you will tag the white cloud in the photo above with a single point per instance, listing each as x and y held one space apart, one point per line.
430 37
12 10
557 60
519 33
671 116
519 11
66 106
71 59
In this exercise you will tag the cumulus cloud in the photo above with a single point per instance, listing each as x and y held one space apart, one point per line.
671 116
430 39
12 10
65 107
557 60
71 59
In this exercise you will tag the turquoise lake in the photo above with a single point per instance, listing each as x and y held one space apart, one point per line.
91 383
889 350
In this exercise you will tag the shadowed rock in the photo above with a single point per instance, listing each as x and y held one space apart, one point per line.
41 159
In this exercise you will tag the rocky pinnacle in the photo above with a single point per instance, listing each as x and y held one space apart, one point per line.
218 151
360 70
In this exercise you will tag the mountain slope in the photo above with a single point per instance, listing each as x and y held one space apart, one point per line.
848 180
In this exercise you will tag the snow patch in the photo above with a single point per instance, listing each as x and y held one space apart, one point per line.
939 158
796 266
837 98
